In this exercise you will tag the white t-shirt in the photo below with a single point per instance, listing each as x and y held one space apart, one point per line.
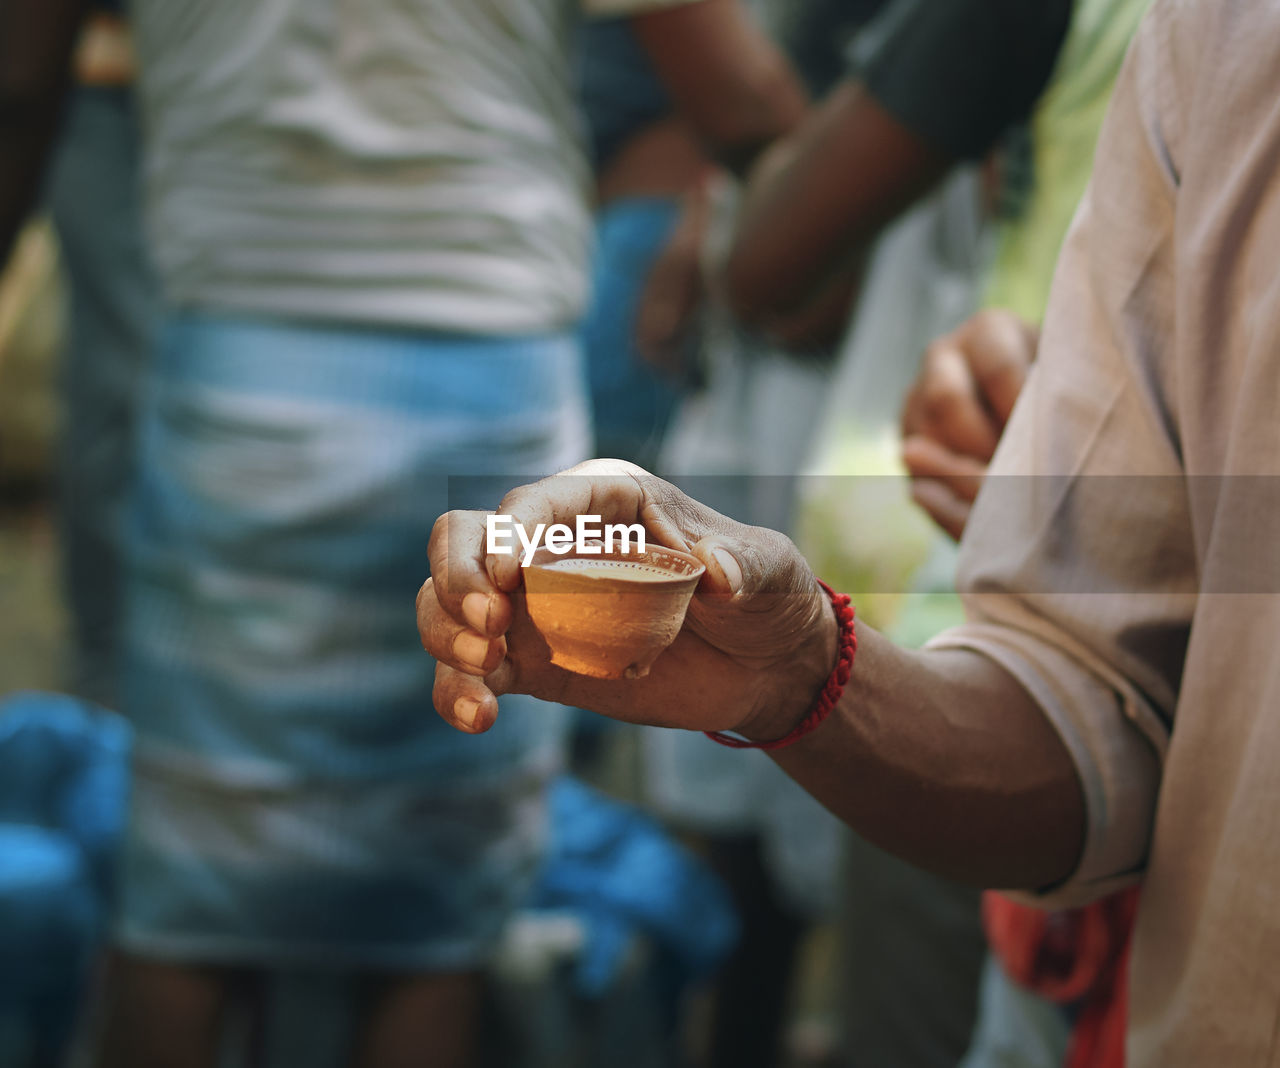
399 162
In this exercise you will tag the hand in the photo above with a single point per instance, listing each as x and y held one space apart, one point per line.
757 644
671 304
957 409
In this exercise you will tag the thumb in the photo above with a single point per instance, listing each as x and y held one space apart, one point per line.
724 571
744 568
757 596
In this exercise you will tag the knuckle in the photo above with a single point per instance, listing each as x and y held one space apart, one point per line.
939 400
990 321
935 353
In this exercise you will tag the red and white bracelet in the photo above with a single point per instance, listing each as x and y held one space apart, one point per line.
831 692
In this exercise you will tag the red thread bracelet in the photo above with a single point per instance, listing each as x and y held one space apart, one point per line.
831 692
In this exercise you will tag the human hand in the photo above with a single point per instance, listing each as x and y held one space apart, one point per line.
671 304
957 409
757 644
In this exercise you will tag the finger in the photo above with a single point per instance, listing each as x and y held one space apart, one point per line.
950 512
608 489
754 562
452 642
464 701
761 575
945 404
1000 347
461 583
926 459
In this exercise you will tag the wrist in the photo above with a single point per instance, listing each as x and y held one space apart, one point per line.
789 692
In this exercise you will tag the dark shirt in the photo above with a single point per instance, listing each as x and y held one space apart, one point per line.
960 73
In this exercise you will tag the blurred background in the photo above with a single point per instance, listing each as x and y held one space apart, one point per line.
287 280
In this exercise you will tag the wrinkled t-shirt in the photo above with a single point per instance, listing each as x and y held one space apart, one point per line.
412 163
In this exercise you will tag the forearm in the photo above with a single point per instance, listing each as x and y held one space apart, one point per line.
815 203
725 77
942 758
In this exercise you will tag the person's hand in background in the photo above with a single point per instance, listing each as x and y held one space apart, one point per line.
668 322
757 645
957 409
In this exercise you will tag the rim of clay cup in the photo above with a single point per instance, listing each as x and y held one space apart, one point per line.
545 556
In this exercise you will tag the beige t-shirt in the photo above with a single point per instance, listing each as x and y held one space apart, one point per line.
400 162
1124 556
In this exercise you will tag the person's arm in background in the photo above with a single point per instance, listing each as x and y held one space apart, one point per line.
957 409
942 85
733 92
37 42
725 77
811 209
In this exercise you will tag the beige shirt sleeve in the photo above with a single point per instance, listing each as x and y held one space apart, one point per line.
615 8
1078 564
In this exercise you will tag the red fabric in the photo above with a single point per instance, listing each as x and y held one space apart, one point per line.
1074 957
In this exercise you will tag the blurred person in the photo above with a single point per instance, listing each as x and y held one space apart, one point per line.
649 165
372 230
1106 714
930 86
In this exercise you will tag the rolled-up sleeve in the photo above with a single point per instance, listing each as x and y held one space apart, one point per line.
1078 566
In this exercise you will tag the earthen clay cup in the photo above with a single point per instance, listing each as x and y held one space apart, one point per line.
610 626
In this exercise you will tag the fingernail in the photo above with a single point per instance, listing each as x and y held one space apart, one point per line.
728 565
475 610
465 710
471 648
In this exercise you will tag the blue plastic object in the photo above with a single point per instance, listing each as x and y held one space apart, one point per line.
624 875
63 794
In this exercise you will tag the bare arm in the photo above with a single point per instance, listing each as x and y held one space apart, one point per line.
943 758
727 78
814 205
36 44
939 756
